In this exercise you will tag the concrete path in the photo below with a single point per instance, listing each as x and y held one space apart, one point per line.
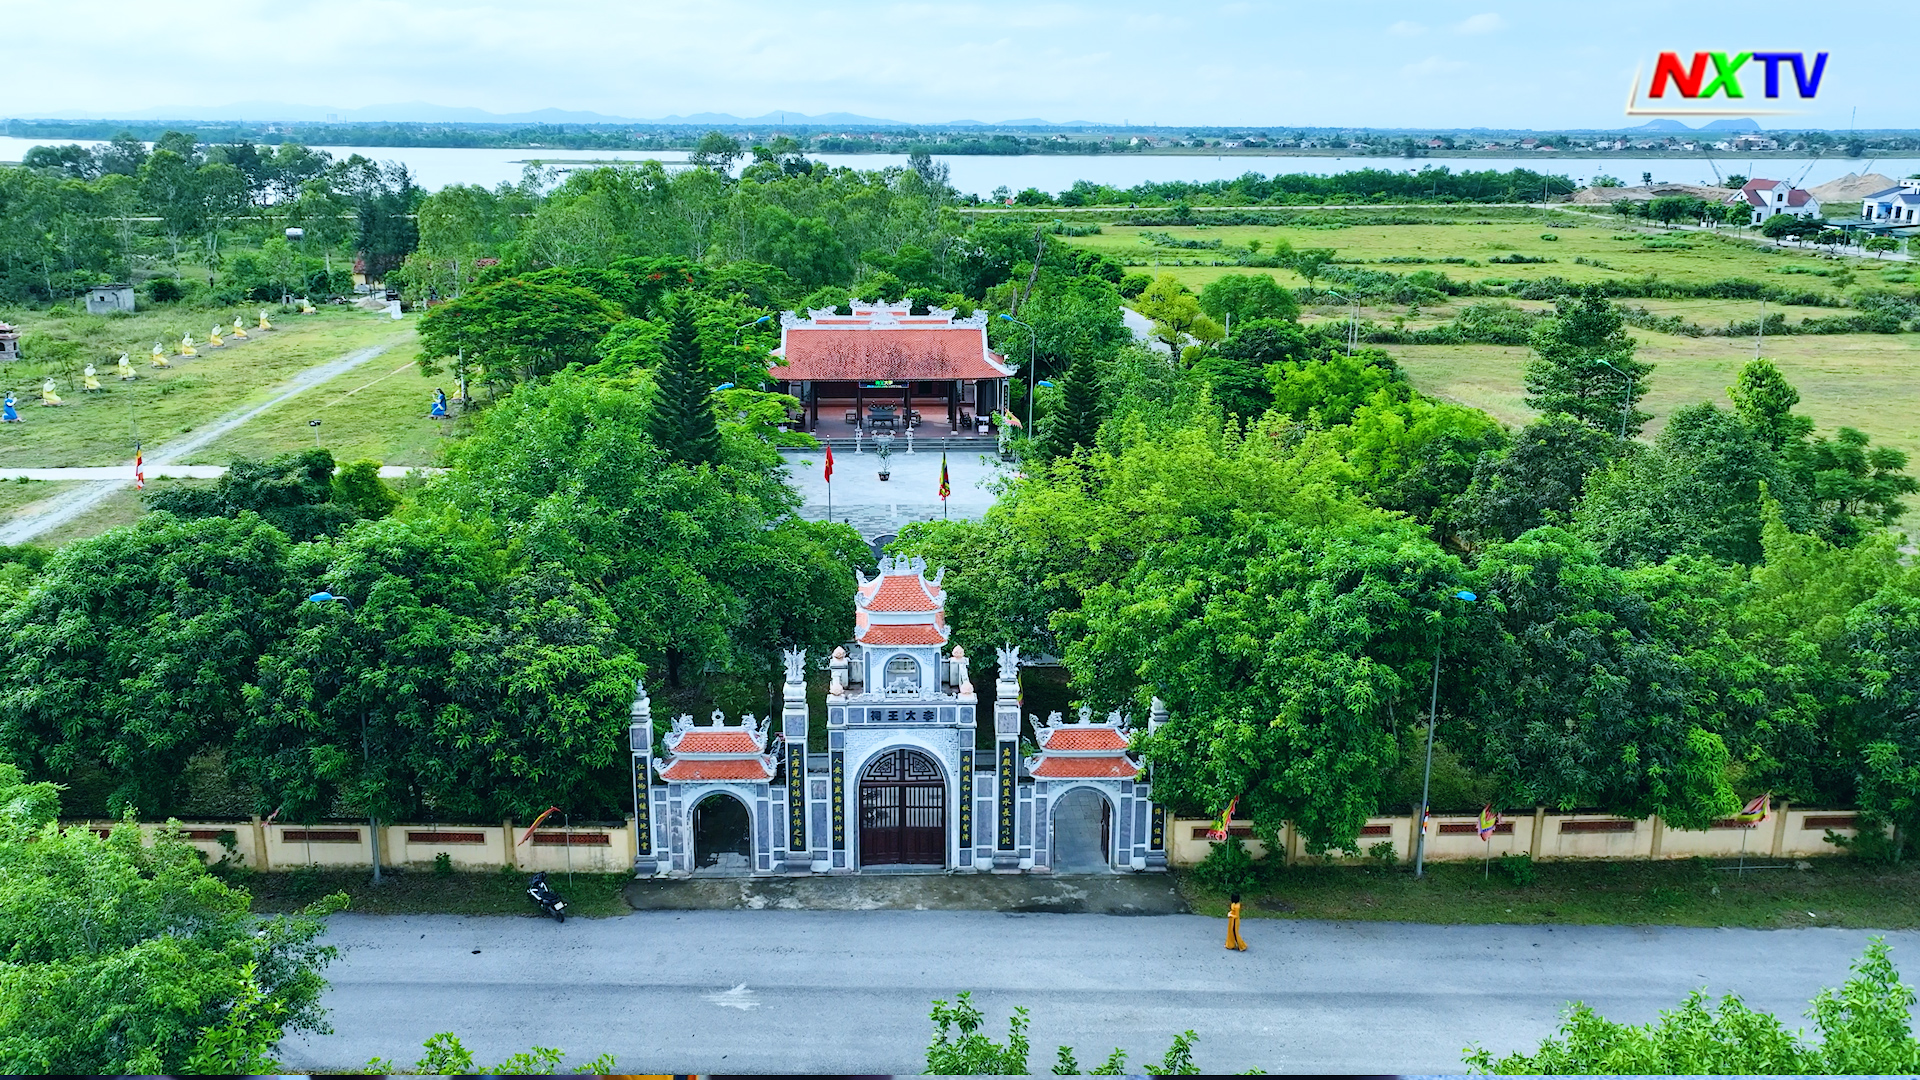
69 505
124 473
874 506
848 991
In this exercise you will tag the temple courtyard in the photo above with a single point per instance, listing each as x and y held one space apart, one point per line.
876 507
849 991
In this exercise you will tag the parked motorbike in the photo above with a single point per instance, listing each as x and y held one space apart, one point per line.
542 894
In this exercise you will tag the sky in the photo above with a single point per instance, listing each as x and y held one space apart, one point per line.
1434 64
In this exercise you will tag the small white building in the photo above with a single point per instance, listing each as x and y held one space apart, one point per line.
1894 206
1771 198
107 299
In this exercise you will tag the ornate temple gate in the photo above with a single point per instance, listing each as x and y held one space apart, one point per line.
903 811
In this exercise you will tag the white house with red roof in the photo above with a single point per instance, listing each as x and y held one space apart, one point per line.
908 780
1771 198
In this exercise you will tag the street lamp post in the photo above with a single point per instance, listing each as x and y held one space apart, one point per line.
1353 322
366 757
1033 370
1426 781
1626 397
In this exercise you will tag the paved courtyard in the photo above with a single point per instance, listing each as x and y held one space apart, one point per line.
848 991
874 506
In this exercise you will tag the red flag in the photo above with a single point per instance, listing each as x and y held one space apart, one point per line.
946 488
139 469
829 472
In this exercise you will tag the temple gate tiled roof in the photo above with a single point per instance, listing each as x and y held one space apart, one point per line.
715 751
1086 749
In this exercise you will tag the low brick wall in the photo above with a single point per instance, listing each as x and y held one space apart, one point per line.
1787 832
269 846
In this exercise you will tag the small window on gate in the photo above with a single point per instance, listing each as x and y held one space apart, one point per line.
903 672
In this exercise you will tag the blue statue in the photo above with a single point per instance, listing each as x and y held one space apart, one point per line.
8 414
439 404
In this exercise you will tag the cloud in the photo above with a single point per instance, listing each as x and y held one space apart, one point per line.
1484 23
1433 67
1403 28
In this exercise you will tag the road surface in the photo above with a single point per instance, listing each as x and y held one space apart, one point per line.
848 991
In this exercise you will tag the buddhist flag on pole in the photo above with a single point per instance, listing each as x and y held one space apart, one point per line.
1755 811
1488 821
544 815
946 488
139 469
1220 824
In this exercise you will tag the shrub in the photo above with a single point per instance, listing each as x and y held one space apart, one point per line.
165 290
1520 869
1228 868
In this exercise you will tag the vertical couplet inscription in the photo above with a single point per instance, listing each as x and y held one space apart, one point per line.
966 806
642 809
1006 796
839 800
796 798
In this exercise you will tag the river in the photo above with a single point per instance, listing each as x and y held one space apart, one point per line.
436 167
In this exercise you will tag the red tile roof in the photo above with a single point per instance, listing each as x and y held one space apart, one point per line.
1069 768
683 769
899 592
1083 738
900 634
717 741
835 353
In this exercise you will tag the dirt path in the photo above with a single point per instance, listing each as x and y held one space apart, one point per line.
63 508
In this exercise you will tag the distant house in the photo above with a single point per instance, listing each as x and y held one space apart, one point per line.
1770 198
106 299
1894 206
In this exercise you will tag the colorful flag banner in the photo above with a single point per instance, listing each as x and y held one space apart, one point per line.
828 472
1488 821
139 469
946 488
1220 824
1756 810
1426 815
544 815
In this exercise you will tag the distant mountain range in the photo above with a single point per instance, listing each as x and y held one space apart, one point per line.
422 112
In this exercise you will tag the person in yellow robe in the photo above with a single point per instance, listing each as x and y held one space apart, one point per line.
239 331
186 346
126 367
213 337
47 396
90 381
1234 941
264 324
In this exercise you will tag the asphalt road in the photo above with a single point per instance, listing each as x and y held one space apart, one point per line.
848 991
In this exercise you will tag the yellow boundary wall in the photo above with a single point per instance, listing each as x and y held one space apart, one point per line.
278 845
1788 832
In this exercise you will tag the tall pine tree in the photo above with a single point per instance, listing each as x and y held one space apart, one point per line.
1078 422
680 420
1584 366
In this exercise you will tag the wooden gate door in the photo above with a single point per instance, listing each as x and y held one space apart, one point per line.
903 811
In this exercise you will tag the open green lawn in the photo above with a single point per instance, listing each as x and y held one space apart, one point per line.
1621 251
378 411
1831 892
98 429
423 892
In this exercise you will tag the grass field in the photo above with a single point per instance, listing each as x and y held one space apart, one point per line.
1630 252
377 411
1832 892
423 892
98 429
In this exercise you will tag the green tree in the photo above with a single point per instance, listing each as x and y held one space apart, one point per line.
1237 374
293 492
1077 423
1864 1029
680 417
358 487
134 649
1247 297
165 972
715 151
518 330
1536 482
1570 371
1764 399
1176 314
1855 484
1883 731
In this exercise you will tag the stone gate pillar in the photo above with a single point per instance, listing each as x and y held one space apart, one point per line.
646 859
1006 771
793 732
1156 854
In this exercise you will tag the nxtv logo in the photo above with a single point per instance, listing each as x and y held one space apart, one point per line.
1716 75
